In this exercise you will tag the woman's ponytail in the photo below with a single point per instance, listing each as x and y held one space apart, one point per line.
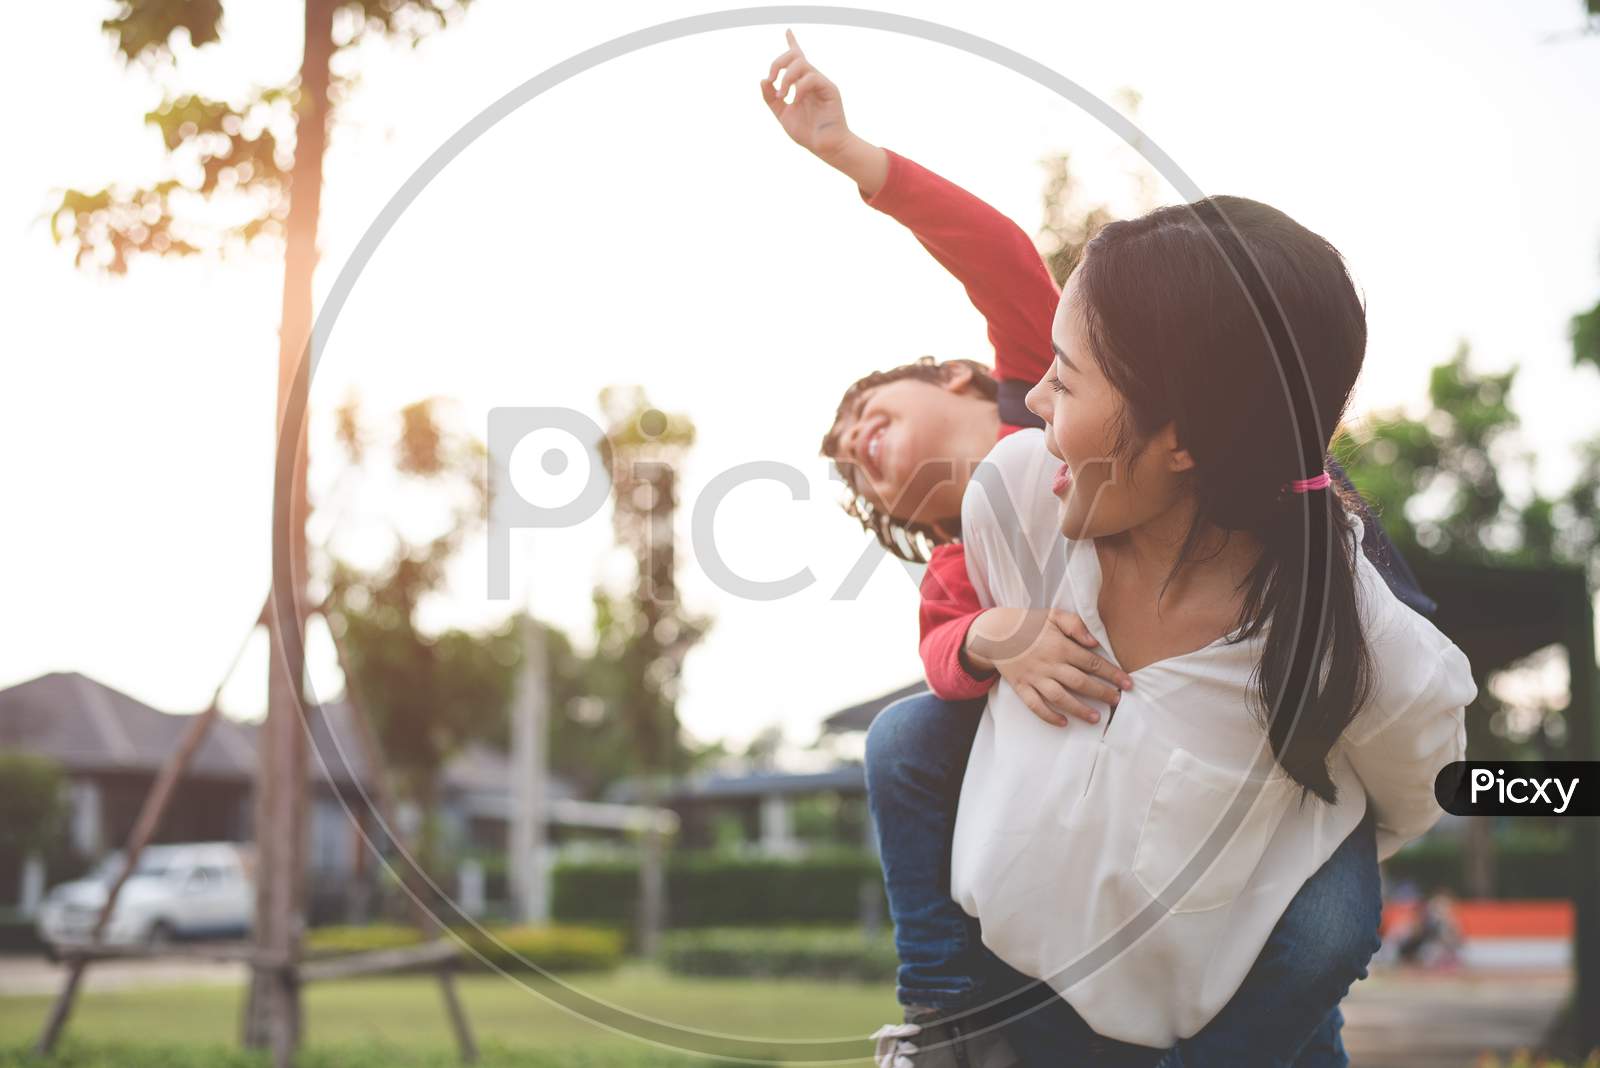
1242 329
1315 671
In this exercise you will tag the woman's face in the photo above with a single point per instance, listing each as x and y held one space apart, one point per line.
1100 492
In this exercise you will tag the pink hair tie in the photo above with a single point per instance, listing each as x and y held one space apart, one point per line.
1306 485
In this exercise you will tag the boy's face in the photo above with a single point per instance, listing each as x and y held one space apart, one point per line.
910 446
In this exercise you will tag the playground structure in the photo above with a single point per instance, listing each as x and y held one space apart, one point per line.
1498 615
281 836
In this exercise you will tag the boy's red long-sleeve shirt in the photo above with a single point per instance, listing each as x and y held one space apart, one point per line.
1010 286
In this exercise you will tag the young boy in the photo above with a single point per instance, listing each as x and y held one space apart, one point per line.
907 441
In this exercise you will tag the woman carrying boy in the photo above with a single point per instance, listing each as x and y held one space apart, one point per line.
909 441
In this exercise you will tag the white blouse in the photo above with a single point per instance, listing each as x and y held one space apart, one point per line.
1140 863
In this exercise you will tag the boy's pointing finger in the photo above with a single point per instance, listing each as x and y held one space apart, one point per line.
792 74
779 63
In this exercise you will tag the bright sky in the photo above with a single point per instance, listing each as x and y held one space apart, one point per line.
647 222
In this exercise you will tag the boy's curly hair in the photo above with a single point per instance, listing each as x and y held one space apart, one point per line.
908 540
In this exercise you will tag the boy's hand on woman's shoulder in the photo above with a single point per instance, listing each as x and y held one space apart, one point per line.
1048 656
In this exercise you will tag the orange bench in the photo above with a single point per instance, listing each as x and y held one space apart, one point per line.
1495 919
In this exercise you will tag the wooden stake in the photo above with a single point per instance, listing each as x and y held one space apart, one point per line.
144 828
378 776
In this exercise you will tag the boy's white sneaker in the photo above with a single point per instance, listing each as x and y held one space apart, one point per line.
925 1040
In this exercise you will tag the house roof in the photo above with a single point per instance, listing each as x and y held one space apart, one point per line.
859 717
484 770
87 726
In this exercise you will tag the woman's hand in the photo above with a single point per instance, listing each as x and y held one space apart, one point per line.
815 120
1048 658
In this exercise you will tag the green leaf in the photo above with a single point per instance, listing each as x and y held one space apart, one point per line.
144 29
1585 332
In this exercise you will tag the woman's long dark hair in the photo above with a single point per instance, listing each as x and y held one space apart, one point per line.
1242 328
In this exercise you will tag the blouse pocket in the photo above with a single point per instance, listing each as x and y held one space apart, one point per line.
1186 855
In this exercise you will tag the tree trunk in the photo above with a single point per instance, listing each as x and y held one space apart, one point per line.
272 1010
529 773
652 919
1583 738
1479 857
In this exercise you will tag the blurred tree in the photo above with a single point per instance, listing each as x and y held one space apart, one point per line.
427 694
1439 486
1069 219
33 805
239 170
762 751
1072 215
230 163
1438 483
1585 334
588 747
647 633
1580 536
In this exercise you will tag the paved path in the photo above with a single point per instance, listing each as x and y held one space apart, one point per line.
35 975
1410 1020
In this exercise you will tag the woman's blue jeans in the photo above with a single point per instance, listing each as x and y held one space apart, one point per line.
1285 1014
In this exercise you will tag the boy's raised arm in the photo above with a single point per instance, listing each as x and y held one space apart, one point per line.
993 259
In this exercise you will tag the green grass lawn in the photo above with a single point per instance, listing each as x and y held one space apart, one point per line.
405 1015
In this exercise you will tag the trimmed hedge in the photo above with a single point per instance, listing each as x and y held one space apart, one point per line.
713 890
359 938
811 953
594 891
708 889
1526 866
18 934
127 1055
560 949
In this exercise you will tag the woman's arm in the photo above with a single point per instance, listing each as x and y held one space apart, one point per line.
1398 751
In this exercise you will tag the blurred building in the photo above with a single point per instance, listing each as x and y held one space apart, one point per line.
779 813
111 747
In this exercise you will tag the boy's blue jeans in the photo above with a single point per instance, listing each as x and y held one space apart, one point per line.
1285 1014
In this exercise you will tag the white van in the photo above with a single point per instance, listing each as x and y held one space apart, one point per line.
203 890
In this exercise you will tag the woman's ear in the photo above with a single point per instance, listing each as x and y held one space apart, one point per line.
1178 457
